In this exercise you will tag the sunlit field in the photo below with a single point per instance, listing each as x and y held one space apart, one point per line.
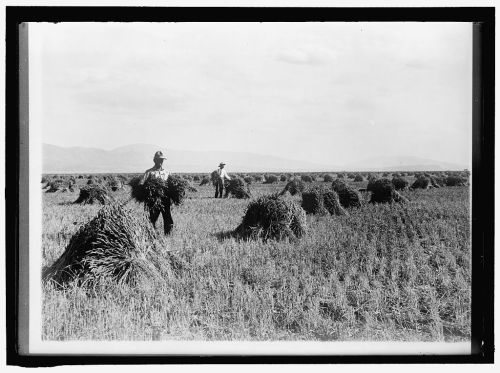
385 272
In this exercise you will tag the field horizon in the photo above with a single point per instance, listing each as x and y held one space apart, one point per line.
137 157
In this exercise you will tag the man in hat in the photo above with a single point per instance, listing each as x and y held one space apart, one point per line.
158 172
222 176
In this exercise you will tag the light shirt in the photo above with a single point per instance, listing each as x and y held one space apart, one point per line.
223 174
156 174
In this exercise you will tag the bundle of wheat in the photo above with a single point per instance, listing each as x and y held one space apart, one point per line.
214 177
312 201
318 200
238 188
176 189
56 185
421 182
332 203
115 184
68 188
116 245
400 183
348 196
306 178
122 178
258 178
295 186
328 178
456 181
273 216
440 180
383 191
91 194
270 179
433 182
358 178
157 194
205 180
248 179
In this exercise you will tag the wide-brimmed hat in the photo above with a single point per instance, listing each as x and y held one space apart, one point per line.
159 155
222 164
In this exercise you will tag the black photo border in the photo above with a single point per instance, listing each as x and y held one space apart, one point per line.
16 140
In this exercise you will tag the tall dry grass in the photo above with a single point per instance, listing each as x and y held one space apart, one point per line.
385 272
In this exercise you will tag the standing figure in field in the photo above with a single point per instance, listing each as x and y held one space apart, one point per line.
158 172
219 176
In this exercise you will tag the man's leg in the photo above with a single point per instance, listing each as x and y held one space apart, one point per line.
153 216
216 189
221 187
168 222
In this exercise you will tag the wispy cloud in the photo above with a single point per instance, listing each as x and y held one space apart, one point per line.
325 90
309 55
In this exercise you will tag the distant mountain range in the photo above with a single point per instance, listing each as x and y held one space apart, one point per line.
138 158
403 163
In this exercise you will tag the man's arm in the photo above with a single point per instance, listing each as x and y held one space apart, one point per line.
226 175
144 177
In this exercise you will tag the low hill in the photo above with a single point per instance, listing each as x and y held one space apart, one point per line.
139 157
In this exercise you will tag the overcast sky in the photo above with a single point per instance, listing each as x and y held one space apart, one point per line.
330 93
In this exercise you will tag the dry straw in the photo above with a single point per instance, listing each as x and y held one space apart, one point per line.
115 184
205 180
157 194
214 177
400 183
439 181
296 186
328 178
348 196
91 194
270 179
456 181
115 245
55 186
238 188
318 200
421 182
273 216
383 191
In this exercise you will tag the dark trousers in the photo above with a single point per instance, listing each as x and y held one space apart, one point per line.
219 187
168 223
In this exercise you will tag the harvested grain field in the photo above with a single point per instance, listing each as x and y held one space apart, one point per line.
384 271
